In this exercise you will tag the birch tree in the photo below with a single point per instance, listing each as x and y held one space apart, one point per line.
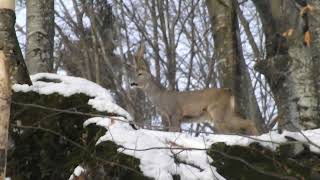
40 35
292 62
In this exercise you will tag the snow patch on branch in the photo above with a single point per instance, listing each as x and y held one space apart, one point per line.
78 171
104 122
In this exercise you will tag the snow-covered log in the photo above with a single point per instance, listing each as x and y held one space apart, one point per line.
65 127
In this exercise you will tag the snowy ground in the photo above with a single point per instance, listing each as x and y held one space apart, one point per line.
157 151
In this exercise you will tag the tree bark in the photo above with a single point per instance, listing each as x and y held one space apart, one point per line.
233 72
156 48
5 101
168 36
291 67
40 35
10 45
5 85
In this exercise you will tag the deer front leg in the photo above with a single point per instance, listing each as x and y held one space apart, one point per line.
166 122
174 123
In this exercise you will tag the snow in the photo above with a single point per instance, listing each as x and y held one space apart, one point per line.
77 172
159 163
161 154
156 150
272 139
67 86
97 120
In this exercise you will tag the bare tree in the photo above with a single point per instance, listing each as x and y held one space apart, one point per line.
180 49
177 38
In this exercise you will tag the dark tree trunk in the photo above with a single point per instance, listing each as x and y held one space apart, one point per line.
233 72
9 43
12 67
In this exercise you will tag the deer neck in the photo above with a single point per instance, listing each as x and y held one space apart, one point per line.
153 91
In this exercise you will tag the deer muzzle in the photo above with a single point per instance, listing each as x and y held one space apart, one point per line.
133 84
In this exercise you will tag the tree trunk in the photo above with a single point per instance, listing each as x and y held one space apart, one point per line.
292 66
5 101
168 36
40 35
10 45
5 90
233 72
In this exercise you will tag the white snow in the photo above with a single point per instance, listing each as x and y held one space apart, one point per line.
77 172
156 157
101 98
160 163
97 120
272 139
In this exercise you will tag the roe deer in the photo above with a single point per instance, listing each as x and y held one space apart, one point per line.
214 105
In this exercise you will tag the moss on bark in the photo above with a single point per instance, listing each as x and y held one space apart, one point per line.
264 164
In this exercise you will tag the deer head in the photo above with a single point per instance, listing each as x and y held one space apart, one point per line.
142 76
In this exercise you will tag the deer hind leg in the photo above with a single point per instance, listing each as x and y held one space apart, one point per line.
249 128
243 126
217 115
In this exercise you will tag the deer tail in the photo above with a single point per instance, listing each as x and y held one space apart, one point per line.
232 103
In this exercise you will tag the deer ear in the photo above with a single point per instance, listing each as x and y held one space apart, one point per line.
139 62
140 52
